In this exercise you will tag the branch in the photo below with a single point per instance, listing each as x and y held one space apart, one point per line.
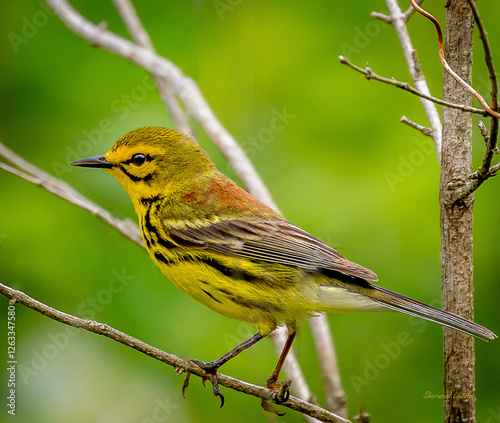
488 56
399 20
141 37
63 190
334 393
414 125
389 19
184 87
491 139
179 365
448 68
369 74
477 178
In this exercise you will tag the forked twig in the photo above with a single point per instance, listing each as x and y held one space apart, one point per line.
448 68
369 74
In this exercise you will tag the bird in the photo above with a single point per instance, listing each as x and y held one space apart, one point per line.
237 256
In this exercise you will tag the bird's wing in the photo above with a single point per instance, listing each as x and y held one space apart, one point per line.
273 240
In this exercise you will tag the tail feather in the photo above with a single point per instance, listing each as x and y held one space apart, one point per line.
415 308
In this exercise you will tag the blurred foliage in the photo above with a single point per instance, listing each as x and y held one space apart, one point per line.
61 100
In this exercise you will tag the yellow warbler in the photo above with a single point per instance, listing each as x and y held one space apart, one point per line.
230 252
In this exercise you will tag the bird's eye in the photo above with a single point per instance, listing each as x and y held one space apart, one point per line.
139 159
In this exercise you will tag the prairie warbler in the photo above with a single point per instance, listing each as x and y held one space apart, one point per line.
230 252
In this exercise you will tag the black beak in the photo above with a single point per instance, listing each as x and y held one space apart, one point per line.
96 161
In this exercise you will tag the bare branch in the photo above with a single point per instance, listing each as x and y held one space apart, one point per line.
389 19
179 365
477 178
399 20
491 139
381 17
334 393
448 68
185 88
60 188
492 172
411 10
423 129
488 56
483 172
141 37
369 74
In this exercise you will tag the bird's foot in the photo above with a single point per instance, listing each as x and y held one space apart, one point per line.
210 369
281 394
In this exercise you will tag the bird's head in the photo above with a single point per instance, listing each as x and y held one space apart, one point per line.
153 161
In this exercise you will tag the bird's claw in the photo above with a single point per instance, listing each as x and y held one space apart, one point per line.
283 392
185 385
211 371
280 395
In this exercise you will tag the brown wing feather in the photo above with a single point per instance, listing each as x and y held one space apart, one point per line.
273 240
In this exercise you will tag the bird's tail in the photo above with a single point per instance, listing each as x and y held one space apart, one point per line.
415 308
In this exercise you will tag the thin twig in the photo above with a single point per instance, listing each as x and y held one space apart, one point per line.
488 56
141 37
389 19
411 10
493 171
414 125
60 188
477 178
491 141
399 21
368 72
169 359
483 172
448 68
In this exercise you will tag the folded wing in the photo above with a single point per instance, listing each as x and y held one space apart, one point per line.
272 240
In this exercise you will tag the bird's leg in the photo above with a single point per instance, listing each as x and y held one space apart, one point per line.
211 367
272 382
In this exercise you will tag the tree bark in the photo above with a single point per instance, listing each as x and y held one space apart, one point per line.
456 218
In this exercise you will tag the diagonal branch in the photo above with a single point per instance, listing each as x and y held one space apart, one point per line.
141 37
448 68
179 365
369 74
65 191
389 19
399 21
184 87
491 139
488 56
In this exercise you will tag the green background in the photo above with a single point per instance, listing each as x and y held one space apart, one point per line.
327 170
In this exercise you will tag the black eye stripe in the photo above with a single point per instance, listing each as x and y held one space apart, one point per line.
145 178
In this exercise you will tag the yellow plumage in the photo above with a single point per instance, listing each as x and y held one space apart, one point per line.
232 253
